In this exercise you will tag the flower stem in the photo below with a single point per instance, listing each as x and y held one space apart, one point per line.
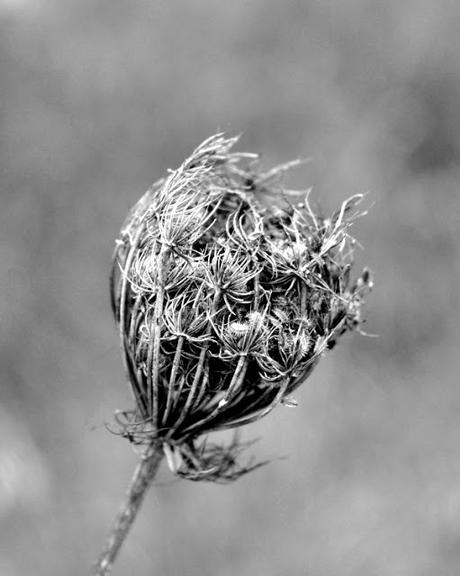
153 359
143 476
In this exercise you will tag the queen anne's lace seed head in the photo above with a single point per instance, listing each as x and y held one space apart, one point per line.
225 303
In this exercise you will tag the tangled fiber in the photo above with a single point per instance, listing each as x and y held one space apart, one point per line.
226 303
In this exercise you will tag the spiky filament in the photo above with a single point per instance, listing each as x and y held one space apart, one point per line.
225 304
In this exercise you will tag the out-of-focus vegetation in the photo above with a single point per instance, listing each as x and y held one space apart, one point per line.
97 99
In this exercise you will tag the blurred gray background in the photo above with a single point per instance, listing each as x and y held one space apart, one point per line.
97 100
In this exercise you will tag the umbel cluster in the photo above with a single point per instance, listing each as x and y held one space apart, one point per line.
225 303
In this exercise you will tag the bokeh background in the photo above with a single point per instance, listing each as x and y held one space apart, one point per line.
97 100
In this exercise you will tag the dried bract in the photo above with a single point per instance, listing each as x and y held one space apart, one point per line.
224 303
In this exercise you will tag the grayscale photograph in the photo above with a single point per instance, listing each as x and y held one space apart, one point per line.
229 275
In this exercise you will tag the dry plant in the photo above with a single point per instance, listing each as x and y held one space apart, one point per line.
225 304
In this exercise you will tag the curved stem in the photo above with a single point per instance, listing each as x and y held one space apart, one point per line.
153 359
199 369
123 288
172 378
143 476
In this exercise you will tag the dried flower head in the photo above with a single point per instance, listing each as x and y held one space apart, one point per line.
225 305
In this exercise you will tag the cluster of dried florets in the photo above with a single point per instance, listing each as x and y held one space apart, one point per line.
225 305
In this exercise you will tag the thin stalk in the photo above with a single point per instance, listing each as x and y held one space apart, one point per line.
142 479
202 362
256 291
172 379
199 368
254 417
123 298
134 322
136 378
204 384
193 388
303 299
235 384
153 358
238 377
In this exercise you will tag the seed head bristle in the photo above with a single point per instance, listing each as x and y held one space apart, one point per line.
226 304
